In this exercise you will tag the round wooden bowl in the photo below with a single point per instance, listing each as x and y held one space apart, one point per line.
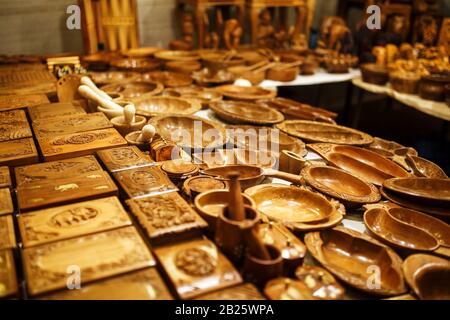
155 106
373 73
124 129
245 93
137 65
102 78
169 79
131 139
204 96
134 89
404 82
282 74
177 55
142 52
218 61
206 77
432 87
255 77
183 67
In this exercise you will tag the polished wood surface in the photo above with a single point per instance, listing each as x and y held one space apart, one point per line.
7 234
13 101
8 276
14 125
18 152
117 159
52 110
5 177
6 204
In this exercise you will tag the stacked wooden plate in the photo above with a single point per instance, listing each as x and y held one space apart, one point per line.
245 93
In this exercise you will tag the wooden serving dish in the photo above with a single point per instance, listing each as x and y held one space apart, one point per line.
437 190
428 276
177 55
146 284
341 185
313 131
196 267
134 89
98 256
424 168
159 106
136 64
320 283
348 254
216 61
206 77
242 112
141 52
166 217
374 73
102 78
5 177
168 126
144 181
79 144
7 234
289 204
117 159
245 93
363 163
169 79
71 221
183 67
18 152
195 185
13 101
14 125
246 291
204 96
53 110
65 190
8 276
397 233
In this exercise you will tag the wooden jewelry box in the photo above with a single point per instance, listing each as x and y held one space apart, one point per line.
117 159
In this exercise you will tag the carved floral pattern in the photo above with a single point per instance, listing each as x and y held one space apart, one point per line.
195 262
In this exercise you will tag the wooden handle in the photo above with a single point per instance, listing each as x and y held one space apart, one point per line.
235 201
88 93
256 246
257 65
88 82
147 134
129 112
293 178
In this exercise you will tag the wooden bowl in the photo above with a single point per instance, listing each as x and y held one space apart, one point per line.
241 72
134 89
396 233
183 67
375 74
137 65
288 204
169 79
437 190
97 61
282 74
102 78
432 87
320 283
124 129
177 55
428 276
204 96
341 185
245 93
155 106
348 255
424 168
206 77
217 61
248 113
404 82
131 139
184 131
193 186
142 52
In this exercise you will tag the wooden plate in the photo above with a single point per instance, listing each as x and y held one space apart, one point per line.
340 185
136 64
245 93
158 106
348 254
289 204
8 276
421 188
7 234
117 159
397 233
428 276
313 131
134 89
362 163
140 52
424 168
101 78
6 204
241 112
169 79
97 256
70 221
14 125
185 131
177 55
18 152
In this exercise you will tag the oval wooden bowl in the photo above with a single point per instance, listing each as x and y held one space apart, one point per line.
282 74
250 113
428 276
341 185
177 55
134 89
437 190
169 79
142 52
102 78
320 283
183 67
137 65
396 233
424 168
204 96
206 77
245 93
193 186
155 106
348 254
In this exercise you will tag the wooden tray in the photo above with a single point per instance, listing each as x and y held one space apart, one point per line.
246 113
313 131
52 110
71 124
117 159
5 178
13 101
245 93
62 191
70 221
79 144
196 267
7 235
139 285
166 217
62 169
18 152
8 277
6 204
144 181
246 291
97 256
14 125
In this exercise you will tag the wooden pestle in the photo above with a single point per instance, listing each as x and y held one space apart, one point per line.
236 208
88 93
147 134
129 112
88 82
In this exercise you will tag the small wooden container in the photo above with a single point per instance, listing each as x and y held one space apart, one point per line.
375 74
260 271
404 82
432 87
124 129
282 74
117 159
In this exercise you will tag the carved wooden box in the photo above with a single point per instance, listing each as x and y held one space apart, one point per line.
73 220
52 110
48 267
8 277
166 217
63 191
71 124
246 291
144 181
7 235
6 204
5 178
12 101
14 125
117 159
139 285
196 267
48 171
79 144
18 152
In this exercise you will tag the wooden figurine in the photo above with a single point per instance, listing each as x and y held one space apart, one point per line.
425 30
212 38
187 42
335 35
232 34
